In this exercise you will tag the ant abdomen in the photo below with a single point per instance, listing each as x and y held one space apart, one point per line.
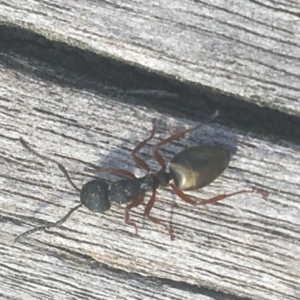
198 166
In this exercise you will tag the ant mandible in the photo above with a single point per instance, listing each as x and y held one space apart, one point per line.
190 169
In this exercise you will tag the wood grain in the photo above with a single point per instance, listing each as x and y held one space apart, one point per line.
245 247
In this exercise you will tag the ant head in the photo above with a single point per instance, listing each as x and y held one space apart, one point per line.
94 196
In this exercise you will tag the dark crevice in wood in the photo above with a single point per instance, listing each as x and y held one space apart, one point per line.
63 118
83 69
31 183
10 220
277 9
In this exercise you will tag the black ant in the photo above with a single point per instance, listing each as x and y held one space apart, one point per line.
190 169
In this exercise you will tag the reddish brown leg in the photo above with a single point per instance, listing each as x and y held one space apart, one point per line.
115 171
134 203
170 139
187 199
154 219
139 146
175 137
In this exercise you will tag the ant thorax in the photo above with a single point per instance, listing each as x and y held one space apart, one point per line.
147 183
124 191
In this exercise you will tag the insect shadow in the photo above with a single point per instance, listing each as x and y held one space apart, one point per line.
190 169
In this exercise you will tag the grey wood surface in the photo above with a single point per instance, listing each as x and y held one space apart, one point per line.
245 247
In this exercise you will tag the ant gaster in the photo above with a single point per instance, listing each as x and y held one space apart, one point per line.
190 169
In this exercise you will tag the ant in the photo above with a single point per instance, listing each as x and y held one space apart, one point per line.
190 169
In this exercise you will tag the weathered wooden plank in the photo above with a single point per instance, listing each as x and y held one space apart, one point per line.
246 246
246 49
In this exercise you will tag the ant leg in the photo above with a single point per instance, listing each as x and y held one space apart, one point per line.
187 199
115 171
134 203
139 146
136 159
154 219
175 137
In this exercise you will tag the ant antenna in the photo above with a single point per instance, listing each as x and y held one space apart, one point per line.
56 224
176 136
207 121
60 166
65 172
